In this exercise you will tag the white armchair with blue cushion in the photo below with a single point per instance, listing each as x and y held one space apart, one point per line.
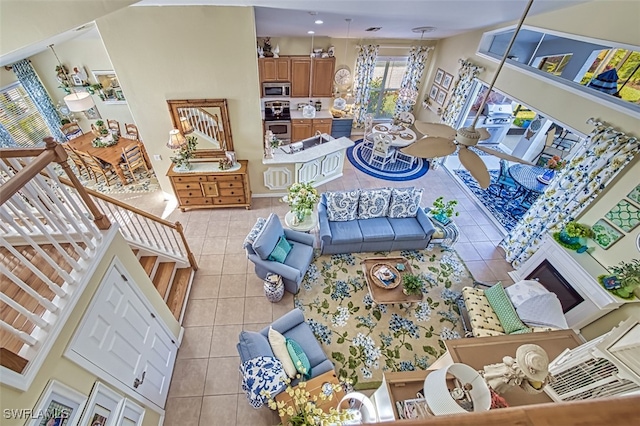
285 252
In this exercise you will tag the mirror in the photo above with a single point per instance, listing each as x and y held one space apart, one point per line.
209 119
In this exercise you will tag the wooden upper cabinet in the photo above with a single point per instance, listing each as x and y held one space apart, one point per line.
274 69
300 74
323 77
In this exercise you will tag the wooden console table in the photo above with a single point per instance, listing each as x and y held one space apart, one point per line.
204 188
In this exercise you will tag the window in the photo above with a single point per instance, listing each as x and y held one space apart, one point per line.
570 60
19 116
384 86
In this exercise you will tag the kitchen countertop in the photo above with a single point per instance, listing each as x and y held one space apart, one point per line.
324 113
280 157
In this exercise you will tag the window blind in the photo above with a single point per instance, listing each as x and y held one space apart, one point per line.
19 116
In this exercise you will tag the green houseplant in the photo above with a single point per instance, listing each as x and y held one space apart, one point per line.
411 284
185 153
573 235
442 211
625 281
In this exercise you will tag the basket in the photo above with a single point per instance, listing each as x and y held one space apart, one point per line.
378 282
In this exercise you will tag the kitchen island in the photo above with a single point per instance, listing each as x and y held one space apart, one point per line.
318 164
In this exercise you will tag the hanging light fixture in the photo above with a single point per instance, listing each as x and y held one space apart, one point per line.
176 139
408 95
76 101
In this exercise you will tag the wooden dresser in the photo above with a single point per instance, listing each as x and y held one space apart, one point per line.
199 189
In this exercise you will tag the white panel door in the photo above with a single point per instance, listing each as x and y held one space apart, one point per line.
121 335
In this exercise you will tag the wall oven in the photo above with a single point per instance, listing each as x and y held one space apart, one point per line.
277 118
273 90
281 129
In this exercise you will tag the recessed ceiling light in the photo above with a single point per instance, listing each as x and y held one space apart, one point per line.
311 32
319 22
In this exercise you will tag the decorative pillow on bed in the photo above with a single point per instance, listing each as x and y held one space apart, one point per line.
342 205
374 203
502 306
405 202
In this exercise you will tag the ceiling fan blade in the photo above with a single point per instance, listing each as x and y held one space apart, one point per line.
436 130
429 147
484 134
472 162
502 155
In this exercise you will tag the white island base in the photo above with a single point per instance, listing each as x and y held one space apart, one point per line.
319 164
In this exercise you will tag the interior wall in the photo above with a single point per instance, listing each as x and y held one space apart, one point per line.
198 61
56 366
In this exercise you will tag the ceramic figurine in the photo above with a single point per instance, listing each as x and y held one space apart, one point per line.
260 52
276 51
331 51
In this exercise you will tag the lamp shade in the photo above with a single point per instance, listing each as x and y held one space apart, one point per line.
408 96
78 102
186 126
176 139
438 395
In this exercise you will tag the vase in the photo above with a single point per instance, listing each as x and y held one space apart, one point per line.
567 239
300 215
442 218
548 175
273 288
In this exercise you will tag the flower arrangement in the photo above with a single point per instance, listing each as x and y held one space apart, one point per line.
575 229
181 160
224 164
571 235
302 197
303 409
556 163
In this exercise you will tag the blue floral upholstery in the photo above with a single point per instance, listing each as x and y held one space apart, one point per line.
405 202
253 234
374 203
262 377
342 205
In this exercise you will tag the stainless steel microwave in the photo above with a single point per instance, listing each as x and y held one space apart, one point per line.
276 90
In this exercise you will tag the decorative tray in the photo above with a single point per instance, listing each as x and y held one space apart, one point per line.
376 275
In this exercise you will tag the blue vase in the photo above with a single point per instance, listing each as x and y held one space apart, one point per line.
443 219
565 238
549 174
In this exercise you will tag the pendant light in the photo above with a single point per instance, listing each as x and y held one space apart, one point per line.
76 101
408 95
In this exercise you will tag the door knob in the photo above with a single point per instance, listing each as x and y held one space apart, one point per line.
137 382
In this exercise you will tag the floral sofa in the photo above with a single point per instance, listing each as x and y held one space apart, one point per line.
382 219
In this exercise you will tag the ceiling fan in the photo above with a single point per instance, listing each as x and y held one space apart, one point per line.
441 140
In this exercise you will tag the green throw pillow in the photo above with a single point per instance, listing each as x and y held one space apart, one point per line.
506 313
299 358
280 251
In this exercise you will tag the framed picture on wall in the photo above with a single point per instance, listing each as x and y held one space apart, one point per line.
433 93
60 405
92 113
441 97
103 407
447 80
439 76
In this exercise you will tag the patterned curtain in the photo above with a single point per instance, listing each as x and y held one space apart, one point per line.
6 141
38 94
365 65
467 72
415 68
605 153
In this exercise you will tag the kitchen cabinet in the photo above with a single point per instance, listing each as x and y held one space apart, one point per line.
341 127
322 75
199 189
274 69
317 71
302 128
300 76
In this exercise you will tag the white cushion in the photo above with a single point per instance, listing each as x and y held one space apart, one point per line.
405 202
279 347
523 290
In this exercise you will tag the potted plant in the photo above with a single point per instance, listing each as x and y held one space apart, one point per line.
185 153
302 198
573 235
625 281
442 211
411 284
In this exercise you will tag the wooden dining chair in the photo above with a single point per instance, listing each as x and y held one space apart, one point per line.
81 167
71 130
131 131
97 167
133 158
114 126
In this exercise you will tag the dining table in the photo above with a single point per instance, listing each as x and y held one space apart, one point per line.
401 135
109 154
527 176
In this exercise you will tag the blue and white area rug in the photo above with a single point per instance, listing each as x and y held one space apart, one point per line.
499 207
359 156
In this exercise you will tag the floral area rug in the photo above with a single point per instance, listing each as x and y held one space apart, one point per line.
146 182
364 339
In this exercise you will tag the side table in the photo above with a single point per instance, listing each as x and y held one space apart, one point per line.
306 225
450 232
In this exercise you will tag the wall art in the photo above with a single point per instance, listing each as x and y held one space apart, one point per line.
624 215
605 234
439 76
59 405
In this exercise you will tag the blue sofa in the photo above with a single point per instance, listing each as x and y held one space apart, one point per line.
373 234
293 326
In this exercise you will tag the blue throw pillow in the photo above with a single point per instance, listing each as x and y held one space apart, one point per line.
299 358
280 251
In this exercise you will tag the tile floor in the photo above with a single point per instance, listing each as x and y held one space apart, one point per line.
227 297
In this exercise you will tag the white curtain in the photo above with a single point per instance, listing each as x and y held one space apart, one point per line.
604 154
467 72
365 65
411 79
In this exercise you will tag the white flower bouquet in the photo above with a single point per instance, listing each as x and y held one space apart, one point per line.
302 197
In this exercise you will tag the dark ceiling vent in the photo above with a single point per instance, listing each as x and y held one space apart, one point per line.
373 29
